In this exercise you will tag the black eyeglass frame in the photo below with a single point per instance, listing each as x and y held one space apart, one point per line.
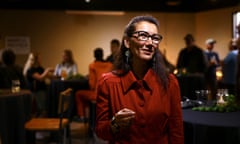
144 36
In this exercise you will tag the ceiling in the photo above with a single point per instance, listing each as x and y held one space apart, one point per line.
121 5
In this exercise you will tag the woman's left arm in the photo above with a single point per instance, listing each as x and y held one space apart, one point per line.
103 118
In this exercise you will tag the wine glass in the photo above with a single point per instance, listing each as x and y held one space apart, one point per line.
202 97
220 96
198 95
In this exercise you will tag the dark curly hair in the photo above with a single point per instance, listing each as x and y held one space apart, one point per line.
8 57
98 54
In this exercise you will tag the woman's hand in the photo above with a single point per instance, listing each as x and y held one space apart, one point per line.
50 69
49 72
123 119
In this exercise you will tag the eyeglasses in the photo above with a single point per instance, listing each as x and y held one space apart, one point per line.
144 36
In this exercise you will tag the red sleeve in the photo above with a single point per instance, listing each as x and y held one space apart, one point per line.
103 111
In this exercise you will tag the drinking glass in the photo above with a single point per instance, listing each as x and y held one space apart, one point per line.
15 86
63 74
203 97
222 95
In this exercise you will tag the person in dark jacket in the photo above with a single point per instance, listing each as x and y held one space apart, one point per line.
10 71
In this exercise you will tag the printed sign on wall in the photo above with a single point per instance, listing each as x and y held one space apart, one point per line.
19 44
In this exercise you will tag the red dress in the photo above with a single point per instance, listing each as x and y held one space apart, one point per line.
158 118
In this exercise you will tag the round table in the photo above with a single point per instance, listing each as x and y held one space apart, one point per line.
211 127
15 110
56 86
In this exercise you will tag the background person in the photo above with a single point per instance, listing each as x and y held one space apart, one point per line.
213 64
114 47
229 68
139 102
96 69
9 70
67 67
238 64
36 75
192 58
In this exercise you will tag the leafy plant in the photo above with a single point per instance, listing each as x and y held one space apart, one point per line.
230 106
75 77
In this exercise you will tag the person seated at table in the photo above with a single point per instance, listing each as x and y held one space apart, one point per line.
67 67
96 69
10 71
36 75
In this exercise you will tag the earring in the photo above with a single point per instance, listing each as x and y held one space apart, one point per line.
127 54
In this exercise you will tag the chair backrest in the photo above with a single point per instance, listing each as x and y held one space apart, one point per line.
64 103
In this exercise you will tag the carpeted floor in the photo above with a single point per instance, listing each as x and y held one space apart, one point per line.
79 134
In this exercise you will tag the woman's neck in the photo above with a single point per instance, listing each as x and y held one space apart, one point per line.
139 68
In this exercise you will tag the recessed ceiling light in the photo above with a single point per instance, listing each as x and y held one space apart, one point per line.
173 2
87 1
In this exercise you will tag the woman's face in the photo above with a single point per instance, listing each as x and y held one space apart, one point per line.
65 57
143 49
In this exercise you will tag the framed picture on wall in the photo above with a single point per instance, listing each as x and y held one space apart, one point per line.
236 21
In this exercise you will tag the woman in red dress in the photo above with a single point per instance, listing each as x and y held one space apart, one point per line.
139 102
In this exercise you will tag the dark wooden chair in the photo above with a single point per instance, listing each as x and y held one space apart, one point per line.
61 125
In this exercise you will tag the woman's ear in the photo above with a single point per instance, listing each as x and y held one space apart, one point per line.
126 43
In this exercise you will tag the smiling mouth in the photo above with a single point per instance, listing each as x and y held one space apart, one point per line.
146 51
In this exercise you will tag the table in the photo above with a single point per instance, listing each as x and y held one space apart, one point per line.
189 83
15 110
211 127
56 86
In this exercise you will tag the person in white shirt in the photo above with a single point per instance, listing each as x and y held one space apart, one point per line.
67 67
